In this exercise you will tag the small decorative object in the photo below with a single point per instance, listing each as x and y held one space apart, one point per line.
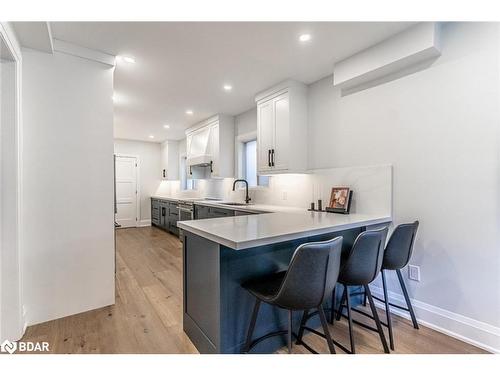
320 205
312 206
340 200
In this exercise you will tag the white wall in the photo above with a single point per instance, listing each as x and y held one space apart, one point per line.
246 122
68 230
149 171
440 130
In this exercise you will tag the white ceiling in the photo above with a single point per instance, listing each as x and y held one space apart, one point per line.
182 66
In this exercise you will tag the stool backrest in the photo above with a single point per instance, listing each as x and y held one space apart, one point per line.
400 246
311 276
364 260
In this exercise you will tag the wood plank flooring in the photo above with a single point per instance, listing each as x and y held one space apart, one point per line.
147 316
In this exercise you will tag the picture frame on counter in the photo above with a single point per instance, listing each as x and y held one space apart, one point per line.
340 200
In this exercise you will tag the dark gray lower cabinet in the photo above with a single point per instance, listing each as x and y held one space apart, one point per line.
173 216
155 212
217 310
201 212
219 212
209 212
243 213
164 214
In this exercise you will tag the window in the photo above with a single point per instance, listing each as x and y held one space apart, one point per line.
187 183
249 164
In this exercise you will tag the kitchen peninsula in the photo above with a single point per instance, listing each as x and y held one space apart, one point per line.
221 253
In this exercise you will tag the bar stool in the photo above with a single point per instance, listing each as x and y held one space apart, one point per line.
310 278
362 265
396 256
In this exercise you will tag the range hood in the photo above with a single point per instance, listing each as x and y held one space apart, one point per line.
198 148
210 148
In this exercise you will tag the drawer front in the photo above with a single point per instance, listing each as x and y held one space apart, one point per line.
201 212
220 212
173 209
243 213
155 203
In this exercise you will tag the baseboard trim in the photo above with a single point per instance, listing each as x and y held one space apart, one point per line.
144 223
471 331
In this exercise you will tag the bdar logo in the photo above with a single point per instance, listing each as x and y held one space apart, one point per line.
8 347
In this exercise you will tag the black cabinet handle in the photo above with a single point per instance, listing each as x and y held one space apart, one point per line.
272 157
164 173
268 158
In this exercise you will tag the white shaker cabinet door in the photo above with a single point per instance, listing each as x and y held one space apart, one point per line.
281 154
265 136
215 149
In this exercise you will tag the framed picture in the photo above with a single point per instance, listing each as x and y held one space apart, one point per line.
340 199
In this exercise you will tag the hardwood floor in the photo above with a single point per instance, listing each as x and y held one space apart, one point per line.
147 316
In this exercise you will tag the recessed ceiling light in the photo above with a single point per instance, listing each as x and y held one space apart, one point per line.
305 37
128 59
151 136
228 87
189 112
166 126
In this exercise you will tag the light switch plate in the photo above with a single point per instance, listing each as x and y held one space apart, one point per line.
414 272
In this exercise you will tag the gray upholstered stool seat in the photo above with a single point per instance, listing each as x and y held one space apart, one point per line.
397 256
310 278
361 266
265 288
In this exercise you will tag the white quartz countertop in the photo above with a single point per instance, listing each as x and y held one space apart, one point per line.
242 232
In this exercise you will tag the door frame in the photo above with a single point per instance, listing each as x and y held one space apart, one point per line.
137 185
19 320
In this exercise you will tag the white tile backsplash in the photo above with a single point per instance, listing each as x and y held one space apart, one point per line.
372 188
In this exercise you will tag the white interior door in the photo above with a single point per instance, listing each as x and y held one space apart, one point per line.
126 191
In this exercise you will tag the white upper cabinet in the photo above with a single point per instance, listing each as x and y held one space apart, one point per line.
210 144
282 129
265 135
170 160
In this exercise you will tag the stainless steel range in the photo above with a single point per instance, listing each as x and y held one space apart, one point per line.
186 212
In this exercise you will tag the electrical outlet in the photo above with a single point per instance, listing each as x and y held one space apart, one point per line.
284 195
414 272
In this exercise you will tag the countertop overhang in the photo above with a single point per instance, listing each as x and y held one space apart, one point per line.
243 232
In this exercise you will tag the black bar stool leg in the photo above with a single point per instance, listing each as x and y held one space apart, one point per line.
289 338
387 310
349 316
332 311
341 305
322 317
251 327
407 299
377 320
303 322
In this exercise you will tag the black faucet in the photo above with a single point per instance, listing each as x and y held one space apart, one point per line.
247 198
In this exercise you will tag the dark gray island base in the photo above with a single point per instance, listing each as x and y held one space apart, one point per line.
217 310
